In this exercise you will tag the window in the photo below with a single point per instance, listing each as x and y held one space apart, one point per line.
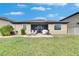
57 27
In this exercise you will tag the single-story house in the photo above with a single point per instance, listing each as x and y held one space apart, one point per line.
68 25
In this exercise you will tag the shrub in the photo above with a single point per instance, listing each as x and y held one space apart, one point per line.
23 31
6 30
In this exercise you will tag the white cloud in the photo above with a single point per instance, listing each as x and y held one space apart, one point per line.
40 8
48 8
15 13
52 15
62 17
76 4
57 4
40 18
21 5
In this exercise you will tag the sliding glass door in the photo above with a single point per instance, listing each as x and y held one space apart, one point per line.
39 28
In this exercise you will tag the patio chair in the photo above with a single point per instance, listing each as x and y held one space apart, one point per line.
35 32
44 31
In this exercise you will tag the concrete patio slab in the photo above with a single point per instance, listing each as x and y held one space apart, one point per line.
38 35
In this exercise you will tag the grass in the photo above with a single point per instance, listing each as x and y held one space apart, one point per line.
51 46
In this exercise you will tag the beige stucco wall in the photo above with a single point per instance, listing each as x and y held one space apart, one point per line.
73 27
62 31
4 22
18 27
28 28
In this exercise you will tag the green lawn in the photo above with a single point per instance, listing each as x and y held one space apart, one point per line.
54 46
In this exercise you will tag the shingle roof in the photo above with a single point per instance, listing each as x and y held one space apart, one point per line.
40 20
6 19
31 21
69 16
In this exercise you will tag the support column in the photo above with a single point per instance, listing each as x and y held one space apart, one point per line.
50 28
18 28
28 28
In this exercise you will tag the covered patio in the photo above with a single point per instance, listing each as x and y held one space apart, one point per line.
39 27
46 27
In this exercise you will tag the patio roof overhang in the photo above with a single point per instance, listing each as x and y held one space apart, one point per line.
39 22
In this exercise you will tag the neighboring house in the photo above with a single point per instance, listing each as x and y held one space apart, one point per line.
73 25
68 25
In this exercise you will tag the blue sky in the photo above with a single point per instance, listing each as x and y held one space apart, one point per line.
31 11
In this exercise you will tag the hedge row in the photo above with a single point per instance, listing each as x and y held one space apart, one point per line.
6 30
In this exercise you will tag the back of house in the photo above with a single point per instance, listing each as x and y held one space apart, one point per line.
68 25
